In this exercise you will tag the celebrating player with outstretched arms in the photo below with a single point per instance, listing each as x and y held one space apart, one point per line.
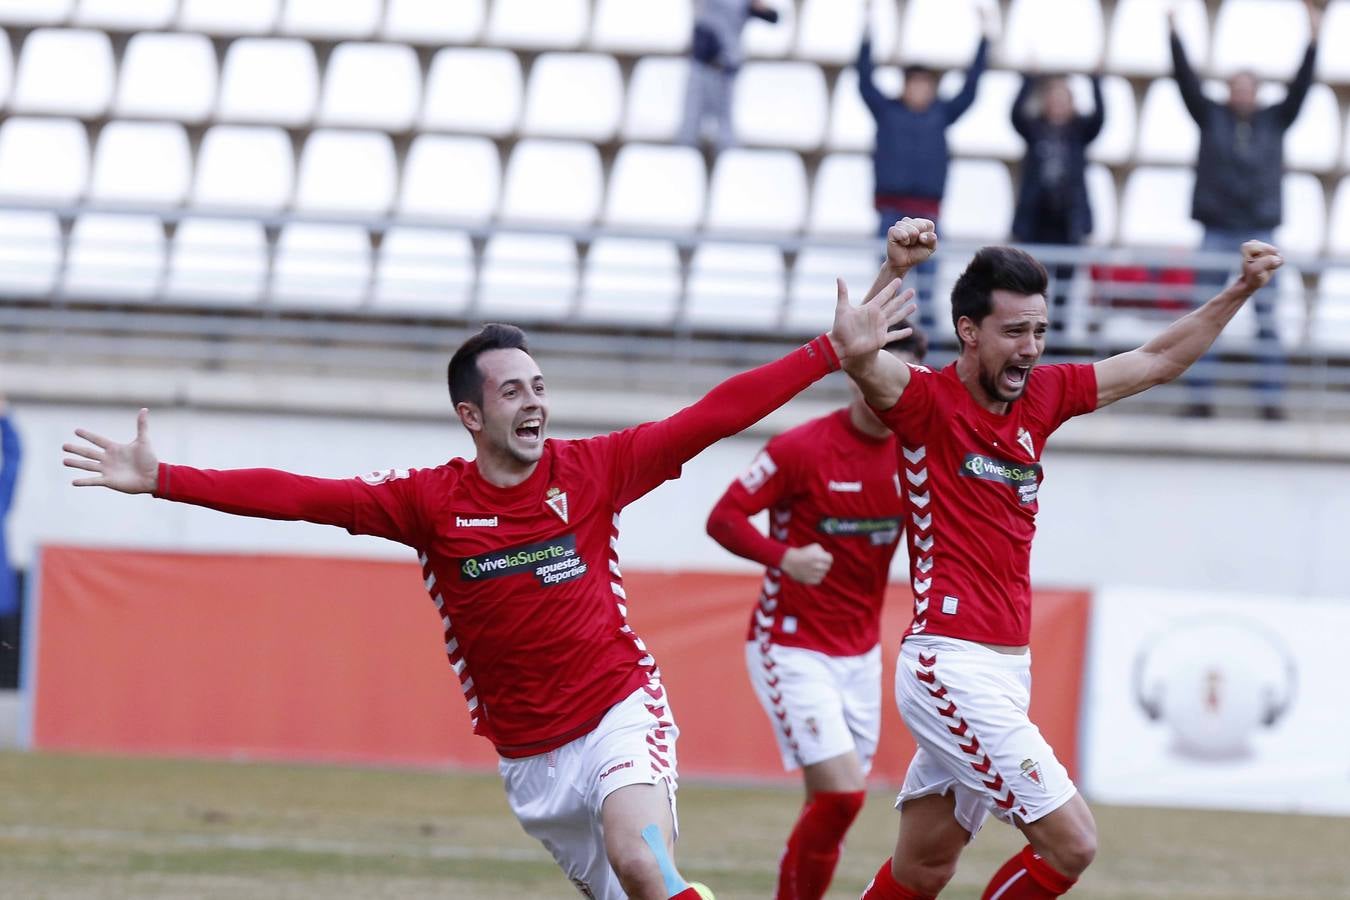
518 552
970 438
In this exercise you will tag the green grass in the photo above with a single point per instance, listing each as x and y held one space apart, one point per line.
73 826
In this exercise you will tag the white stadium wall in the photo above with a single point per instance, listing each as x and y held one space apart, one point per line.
1243 526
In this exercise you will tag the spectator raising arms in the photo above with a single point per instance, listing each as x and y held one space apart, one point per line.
715 57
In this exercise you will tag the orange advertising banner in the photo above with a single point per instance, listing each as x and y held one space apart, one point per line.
340 660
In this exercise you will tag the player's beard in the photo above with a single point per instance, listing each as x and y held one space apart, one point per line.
991 384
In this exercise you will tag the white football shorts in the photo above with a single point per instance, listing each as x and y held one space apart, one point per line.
820 706
966 706
557 796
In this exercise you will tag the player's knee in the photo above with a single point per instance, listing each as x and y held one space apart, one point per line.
1074 854
837 810
637 870
924 876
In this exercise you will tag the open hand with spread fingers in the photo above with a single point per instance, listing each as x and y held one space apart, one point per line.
1259 262
908 243
130 468
865 329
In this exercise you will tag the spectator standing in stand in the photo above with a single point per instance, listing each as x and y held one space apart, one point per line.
715 58
11 451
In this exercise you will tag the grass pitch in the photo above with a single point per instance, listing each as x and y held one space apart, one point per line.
97 827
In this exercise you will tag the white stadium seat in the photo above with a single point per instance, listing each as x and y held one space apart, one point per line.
851 124
6 69
939 33
978 205
351 172
234 17
830 31
1155 209
371 86
1334 67
656 93
770 40
1313 141
735 287
1056 35
1338 226
434 21
554 182
1303 232
271 80
491 107
538 24
119 15
424 270
141 162
841 197
757 190
528 278
574 95
170 76
217 261
812 294
36 12
1167 133
329 20
986 128
1115 144
641 28
1267 37
44 160
656 187
1137 41
46 81
451 178
30 252
780 105
1329 329
1105 210
244 167
115 257
631 281
323 266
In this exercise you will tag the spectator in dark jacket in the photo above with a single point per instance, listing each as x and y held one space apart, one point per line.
911 155
1239 171
10 452
1052 201
715 58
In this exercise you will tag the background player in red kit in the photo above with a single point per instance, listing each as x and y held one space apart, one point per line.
836 512
973 435
518 552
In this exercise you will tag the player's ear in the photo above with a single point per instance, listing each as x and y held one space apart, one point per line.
470 415
967 331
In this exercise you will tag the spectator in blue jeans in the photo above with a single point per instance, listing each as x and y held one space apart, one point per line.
1238 176
910 158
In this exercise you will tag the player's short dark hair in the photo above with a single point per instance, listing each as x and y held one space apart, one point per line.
915 344
918 69
993 269
463 375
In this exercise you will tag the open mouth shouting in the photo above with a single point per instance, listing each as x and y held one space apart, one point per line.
1014 379
530 431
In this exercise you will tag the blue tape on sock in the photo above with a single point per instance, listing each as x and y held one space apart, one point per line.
657 842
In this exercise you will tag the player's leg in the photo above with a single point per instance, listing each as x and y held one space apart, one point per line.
1062 845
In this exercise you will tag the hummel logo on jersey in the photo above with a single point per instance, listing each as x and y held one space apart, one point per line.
557 501
488 522
846 487
1024 438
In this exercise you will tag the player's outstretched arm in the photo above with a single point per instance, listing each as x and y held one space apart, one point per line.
131 468
1167 356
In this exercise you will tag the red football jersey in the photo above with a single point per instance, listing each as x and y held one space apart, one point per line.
823 482
526 578
972 478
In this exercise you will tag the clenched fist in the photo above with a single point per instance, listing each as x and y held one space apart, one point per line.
809 564
1259 262
910 242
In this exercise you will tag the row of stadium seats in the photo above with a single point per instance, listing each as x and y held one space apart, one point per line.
277 81
419 271
253 169
1266 34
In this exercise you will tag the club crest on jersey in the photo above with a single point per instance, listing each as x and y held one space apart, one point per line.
1032 771
556 500
1024 438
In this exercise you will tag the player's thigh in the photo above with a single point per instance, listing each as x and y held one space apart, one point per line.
837 775
798 691
860 689
930 833
930 775
630 765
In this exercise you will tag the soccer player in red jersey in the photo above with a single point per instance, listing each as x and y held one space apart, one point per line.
970 438
518 552
836 511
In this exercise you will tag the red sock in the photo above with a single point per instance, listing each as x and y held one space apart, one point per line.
885 887
687 894
1027 877
813 847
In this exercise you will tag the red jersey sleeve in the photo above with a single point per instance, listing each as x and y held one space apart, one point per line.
767 482
384 504
1069 390
910 416
641 458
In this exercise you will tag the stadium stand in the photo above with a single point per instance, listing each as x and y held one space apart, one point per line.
334 154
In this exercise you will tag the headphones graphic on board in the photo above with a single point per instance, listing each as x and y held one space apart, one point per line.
1215 682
